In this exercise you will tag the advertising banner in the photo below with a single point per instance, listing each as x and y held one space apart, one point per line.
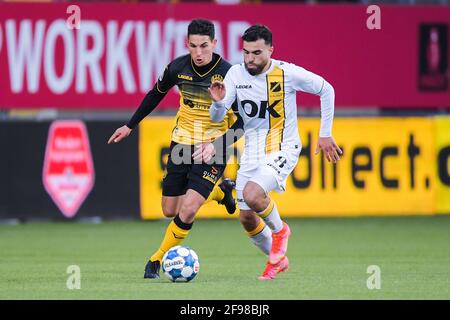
390 166
109 55
442 130
66 170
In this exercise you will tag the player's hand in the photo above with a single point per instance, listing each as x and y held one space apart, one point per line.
205 152
217 91
119 134
329 148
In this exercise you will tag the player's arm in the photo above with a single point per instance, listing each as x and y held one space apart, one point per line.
306 81
148 104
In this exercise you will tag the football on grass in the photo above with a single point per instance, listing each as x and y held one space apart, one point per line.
180 264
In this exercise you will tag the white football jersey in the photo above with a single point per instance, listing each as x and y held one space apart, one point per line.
267 104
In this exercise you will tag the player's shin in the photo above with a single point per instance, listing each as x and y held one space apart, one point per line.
261 237
271 217
280 235
176 231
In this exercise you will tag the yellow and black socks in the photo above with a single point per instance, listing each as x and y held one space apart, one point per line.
176 231
216 194
271 217
261 236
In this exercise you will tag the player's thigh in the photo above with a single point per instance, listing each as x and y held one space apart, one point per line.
192 201
175 181
243 176
263 182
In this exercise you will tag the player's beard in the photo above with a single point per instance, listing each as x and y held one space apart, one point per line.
257 70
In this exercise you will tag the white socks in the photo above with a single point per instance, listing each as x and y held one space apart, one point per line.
271 217
263 240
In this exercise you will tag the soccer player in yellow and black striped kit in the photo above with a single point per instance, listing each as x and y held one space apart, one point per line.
191 179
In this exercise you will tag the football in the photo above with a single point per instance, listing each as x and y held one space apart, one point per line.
180 264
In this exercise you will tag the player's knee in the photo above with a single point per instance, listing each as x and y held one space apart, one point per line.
188 210
168 211
252 199
169 207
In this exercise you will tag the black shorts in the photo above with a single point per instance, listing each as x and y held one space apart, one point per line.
182 173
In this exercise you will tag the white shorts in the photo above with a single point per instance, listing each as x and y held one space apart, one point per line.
270 174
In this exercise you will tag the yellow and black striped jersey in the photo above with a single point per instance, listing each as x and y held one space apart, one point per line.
193 124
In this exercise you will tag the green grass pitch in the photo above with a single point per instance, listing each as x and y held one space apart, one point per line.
328 260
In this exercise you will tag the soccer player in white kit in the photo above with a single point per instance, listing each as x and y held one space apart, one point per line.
265 90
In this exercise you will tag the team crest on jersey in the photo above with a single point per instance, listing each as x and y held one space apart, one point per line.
275 86
216 77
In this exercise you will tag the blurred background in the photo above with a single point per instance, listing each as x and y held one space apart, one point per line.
71 73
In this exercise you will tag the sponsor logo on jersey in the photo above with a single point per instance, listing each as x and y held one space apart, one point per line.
252 109
185 77
188 102
243 86
196 105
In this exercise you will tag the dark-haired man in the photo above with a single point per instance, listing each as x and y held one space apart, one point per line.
265 89
191 177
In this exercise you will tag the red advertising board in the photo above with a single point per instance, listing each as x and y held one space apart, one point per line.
115 56
68 173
